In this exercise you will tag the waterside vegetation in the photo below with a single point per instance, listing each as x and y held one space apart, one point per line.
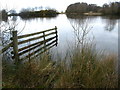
86 69
41 13
92 9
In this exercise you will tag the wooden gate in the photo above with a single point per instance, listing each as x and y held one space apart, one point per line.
31 45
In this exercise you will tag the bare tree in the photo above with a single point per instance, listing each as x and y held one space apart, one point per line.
81 29
6 28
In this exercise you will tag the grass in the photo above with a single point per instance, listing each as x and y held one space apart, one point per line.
87 69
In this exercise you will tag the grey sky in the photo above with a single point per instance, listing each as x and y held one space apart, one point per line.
60 5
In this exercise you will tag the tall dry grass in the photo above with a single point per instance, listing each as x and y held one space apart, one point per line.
86 70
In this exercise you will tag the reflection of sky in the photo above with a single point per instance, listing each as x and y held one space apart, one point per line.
60 5
104 39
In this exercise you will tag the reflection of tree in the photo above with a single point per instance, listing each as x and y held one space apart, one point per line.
110 23
77 16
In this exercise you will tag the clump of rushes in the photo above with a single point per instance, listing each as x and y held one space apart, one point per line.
86 70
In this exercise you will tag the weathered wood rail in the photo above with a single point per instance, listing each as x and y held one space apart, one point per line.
31 45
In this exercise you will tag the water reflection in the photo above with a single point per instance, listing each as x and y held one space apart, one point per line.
14 18
37 18
110 22
97 26
81 26
69 25
77 16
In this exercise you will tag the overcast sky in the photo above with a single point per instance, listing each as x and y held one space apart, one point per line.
59 5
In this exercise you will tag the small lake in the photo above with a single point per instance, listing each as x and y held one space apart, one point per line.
103 30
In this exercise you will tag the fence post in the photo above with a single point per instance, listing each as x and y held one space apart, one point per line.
44 41
56 35
15 46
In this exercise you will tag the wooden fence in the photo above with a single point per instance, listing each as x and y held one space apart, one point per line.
31 45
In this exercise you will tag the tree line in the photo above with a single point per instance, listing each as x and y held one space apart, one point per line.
29 13
41 13
112 8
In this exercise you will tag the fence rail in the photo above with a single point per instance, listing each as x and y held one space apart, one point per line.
27 35
39 42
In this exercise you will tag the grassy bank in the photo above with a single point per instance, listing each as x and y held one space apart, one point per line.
87 69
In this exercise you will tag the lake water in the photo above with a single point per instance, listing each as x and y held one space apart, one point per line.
103 30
